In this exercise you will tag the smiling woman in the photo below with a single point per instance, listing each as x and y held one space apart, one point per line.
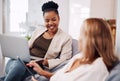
44 44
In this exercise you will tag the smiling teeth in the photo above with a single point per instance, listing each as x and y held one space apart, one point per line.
51 27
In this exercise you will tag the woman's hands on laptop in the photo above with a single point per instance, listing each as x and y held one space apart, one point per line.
36 67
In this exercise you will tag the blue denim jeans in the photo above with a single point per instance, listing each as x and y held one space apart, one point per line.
15 71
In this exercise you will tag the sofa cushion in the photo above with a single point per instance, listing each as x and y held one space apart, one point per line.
75 49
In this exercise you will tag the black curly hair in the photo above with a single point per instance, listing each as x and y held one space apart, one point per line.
50 6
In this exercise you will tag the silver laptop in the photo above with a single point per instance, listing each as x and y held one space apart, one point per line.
14 47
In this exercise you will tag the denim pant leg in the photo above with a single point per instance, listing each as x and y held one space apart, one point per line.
14 70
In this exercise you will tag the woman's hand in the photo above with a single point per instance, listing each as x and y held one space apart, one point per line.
36 67
39 70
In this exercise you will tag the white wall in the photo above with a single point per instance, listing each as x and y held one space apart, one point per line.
103 8
35 15
79 10
0 16
118 28
1 61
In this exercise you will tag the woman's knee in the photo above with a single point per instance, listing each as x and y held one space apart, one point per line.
15 66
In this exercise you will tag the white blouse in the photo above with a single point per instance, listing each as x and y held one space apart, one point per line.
96 71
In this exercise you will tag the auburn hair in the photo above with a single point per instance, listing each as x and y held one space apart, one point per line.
98 42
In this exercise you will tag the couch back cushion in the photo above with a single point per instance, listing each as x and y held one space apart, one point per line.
75 49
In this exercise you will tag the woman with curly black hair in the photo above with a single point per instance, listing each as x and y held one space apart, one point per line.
49 43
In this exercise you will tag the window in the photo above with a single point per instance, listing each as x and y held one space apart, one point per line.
15 16
79 10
